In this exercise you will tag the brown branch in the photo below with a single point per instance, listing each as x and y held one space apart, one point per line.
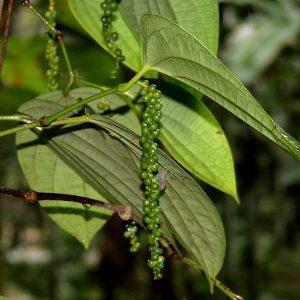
1 8
124 212
6 32
30 196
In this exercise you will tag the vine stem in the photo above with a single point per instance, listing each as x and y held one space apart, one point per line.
31 196
6 30
124 212
126 86
221 286
18 128
121 88
47 121
68 63
125 99
58 35
17 118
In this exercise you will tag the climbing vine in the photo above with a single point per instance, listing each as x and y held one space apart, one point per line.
140 150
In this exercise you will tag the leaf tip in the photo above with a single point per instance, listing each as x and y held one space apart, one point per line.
236 197
85 243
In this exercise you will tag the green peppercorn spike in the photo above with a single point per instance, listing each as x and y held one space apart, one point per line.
111 37
149 168
130 233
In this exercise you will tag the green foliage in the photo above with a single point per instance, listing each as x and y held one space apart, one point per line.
194 137
88 14
101 155
200 18
186 59
187 212
191 134
45 171
204 25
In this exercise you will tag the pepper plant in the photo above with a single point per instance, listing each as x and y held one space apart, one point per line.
143 154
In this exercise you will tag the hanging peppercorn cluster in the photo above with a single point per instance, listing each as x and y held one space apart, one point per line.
149 168
51 50
130 233
109 8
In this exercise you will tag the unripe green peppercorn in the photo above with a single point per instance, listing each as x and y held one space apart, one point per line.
152 88
110 36
150 131
130 233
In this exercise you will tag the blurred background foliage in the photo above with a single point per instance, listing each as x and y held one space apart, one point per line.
259 41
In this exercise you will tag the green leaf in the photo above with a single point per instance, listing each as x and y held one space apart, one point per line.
108 160
46 172
205 24
190 133
88 14
169 49
2 298
194 137
192 216
199 18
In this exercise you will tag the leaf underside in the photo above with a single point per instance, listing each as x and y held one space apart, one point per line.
169 49
47 172
205 24
204 150
106 157
88 14
190 133
200 18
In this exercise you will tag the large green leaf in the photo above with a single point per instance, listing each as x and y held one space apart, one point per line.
194 137
108 160
192 216
201 18
88 14
2 298
46 172
198 17
169 49
190 133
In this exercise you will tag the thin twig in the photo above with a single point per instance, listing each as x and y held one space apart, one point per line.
124 212
1 8
221 286
6 31
226 290
30 196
